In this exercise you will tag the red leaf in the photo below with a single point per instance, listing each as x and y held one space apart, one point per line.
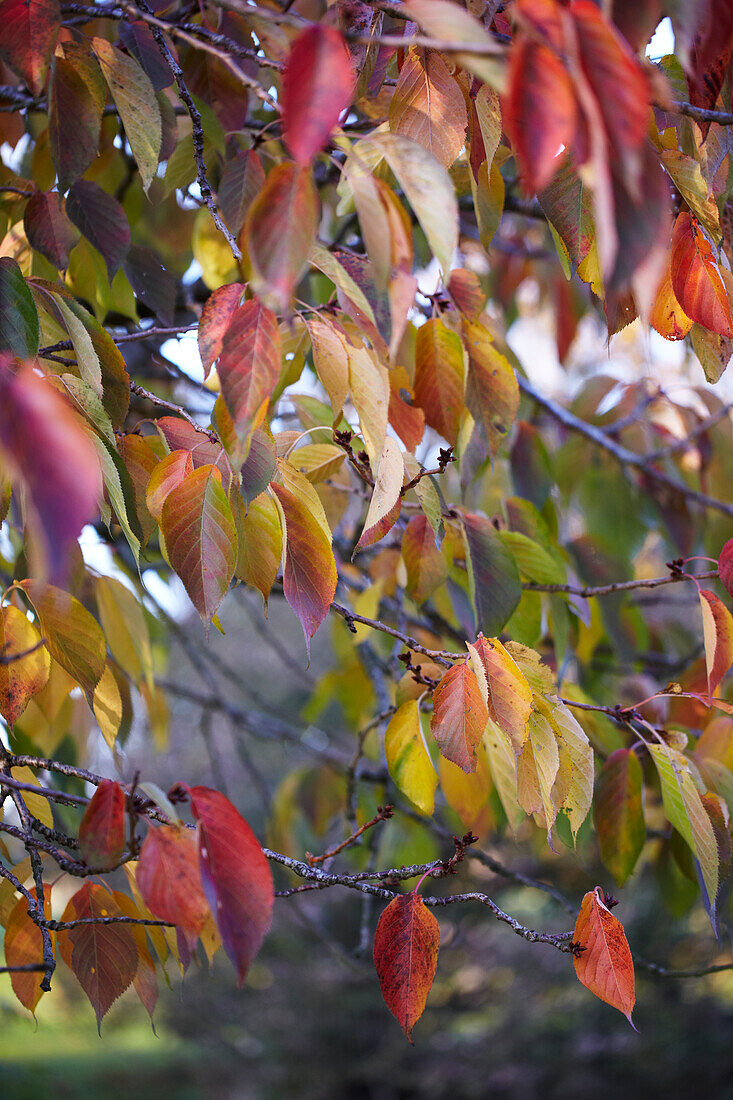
235 874
76 98
718 631
725 567
540 112
241 181
28 33
103 957
102 829
459 716
249 364
605 966
318 84
48 229
406 957
309 574
46 448
215 318
169 880
696 277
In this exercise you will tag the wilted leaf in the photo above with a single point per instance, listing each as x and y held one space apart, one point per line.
103 957
318 84
201 538
605 966
459 716
235 875
102 829
618 813
406 945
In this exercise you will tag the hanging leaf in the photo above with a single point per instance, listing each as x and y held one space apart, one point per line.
201 538
384 507
369 385
492 573
216 316
318 84
492 391
19 325
21 677
572 791
439 377
502 761
125 627
76 98
504 687
101 219
406 945
23 946
717 624
425 565
235 875
28 34
309 569
725 567
259 544
102 829
444 20
249 365
537 768
459 716
331 360
241 181
102 957
134 98
605 966
619 817
428 106
667 315
73 636
684 809
408 761
279 233
170 472
169 880
48 229
696 277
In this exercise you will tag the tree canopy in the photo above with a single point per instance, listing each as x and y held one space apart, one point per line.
262 270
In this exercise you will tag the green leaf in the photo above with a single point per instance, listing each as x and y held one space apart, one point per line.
492 573
134 98
407 757
618 813
19 326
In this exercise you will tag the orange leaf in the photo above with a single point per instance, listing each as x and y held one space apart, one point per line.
439 377
23 946
696 278
406 957
605 966
169 880
540 112
309 572
102 829
235 874
717 624
428 106
384 507
318 84
459 716
169 473
667 315
509 696
215 318
201 538
103 957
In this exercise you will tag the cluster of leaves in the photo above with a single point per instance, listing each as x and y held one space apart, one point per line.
286 186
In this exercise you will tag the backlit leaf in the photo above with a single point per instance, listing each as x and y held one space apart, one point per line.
439 377
28 34
214 322
134 98
331 360
19 326
408 761
619 817
406 945
459 716
23 946
235 875
22 678
280 231
725 567
425 565
102 829
103 957
309 569
75 103
717 624
48 229
369 385
667 315
259 544
537 768
492 391
446 21
573 788
605 966
318 84
170 472
502 761
428 106
73 636
123 621
241 181
249 364
201 538
492 572
169 880
696 277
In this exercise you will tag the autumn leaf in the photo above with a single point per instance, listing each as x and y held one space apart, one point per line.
459 716
21 677
619 816
249 365
408 761
23 946
102 829
717 624
73 636
725 567
102 957
259 543
696 277
318 83
425 565
169 880
604 966
384 507
101 219
492 574
406 945
235 875
201 538
440 377
134 98
28 34
47 227
214 322
428 106
19 323
492 391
